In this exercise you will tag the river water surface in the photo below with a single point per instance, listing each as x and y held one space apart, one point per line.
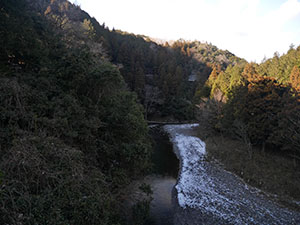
166 167
194 191
207 194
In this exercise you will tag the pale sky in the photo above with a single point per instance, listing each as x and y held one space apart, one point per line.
250 29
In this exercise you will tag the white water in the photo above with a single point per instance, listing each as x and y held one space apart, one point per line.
191 151
217 193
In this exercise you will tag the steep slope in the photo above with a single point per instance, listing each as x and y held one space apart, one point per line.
164 76
262 100
71 134
280 67
256 108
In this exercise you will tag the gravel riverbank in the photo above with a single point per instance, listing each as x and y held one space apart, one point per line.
207 194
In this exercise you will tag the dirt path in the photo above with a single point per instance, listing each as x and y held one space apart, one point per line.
207 194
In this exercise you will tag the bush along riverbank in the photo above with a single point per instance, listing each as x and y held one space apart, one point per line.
148 200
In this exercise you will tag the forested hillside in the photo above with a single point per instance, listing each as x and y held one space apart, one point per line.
164 77
260 101
71 133
249 114
75 98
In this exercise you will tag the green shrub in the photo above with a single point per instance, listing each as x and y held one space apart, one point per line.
47 182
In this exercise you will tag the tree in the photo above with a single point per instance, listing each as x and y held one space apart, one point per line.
71 133
89 29
214 73
258 106
250 73
139 82
295 78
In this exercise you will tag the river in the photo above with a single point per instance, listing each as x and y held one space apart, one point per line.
162 181
166 168
194 191
207 194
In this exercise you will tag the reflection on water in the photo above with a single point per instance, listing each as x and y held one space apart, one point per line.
161 205
164 159
166 167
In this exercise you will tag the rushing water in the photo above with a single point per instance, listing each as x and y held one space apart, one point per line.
207 194
202 192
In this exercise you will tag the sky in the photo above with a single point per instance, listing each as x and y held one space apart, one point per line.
251 29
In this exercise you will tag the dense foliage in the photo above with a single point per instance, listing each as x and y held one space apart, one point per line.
259 102
71 134
164 76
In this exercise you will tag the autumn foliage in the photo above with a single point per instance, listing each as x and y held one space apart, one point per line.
295 78
263 105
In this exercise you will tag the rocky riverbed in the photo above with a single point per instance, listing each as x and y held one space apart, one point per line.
207 194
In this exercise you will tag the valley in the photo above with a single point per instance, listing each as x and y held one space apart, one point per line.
91 118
